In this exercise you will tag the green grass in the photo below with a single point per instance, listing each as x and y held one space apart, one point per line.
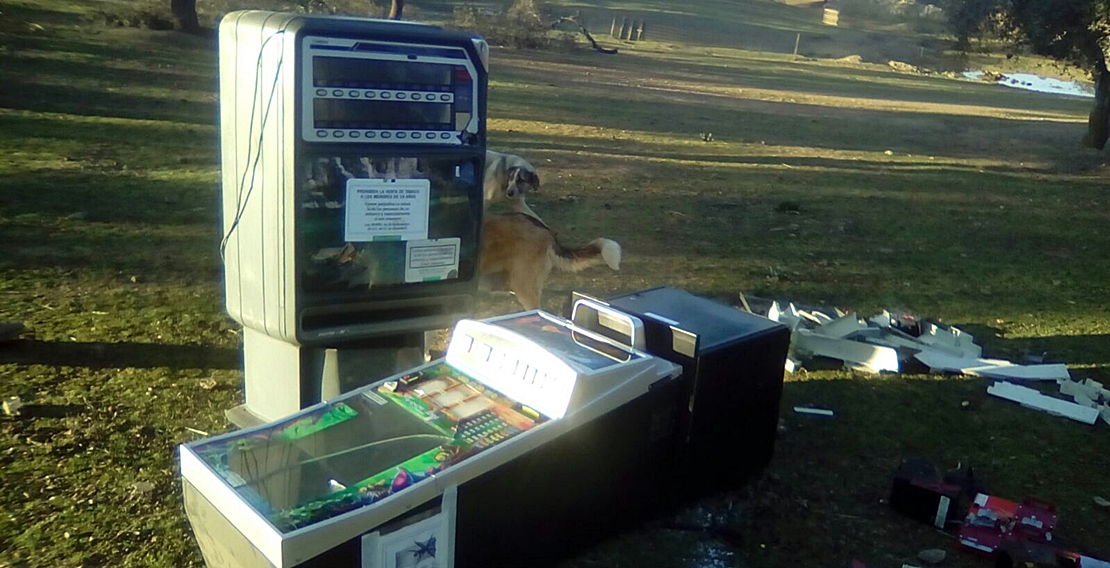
984 213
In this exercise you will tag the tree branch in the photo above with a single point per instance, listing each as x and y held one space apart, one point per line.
593 42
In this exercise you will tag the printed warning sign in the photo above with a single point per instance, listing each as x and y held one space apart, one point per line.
387 210
433 259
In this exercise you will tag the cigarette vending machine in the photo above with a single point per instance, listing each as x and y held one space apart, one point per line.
351 153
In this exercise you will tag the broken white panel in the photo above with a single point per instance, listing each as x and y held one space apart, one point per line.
873 358
882 320
1104 412
869 332
1031 398
817 317
792 365
1103 392
1072 388
1089 562
788 317
892 338
843 326
991 368
813 411
951 340
939 362
1084 400
1051 372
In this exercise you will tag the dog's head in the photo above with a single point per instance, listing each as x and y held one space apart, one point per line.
522 180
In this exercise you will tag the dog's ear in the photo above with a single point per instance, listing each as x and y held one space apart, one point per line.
525 177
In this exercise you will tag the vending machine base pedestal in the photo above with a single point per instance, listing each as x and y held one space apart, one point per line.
282 378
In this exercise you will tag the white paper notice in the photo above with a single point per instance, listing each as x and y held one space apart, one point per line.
432 259
387 210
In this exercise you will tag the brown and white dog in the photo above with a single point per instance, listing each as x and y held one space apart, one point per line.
519 251
508 178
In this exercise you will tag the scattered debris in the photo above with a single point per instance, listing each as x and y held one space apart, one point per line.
197 432
208 384
898 341
12 404
992 521
855 354
932 556
919 492
793 365
813 411
1031 398
1102 502
878 344
992 368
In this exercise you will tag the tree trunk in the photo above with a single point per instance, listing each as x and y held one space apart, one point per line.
395 9
185 12
1098 126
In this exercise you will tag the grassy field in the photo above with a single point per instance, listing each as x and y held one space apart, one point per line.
849 185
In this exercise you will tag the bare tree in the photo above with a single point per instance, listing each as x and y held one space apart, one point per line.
395 9
185 12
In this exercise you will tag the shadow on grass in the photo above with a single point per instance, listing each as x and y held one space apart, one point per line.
1070 349
119 355
102 103
34 411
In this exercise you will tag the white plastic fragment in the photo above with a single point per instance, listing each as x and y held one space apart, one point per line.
950 340
873 358
1089 562
1031 398
788 317
792 365
939 362
1048 372
991 368
890 337
813 411
1105 413
1096 386
882 320
817 317
1084 400
1073 388
843 326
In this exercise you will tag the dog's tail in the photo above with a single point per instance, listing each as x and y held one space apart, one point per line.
598 250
